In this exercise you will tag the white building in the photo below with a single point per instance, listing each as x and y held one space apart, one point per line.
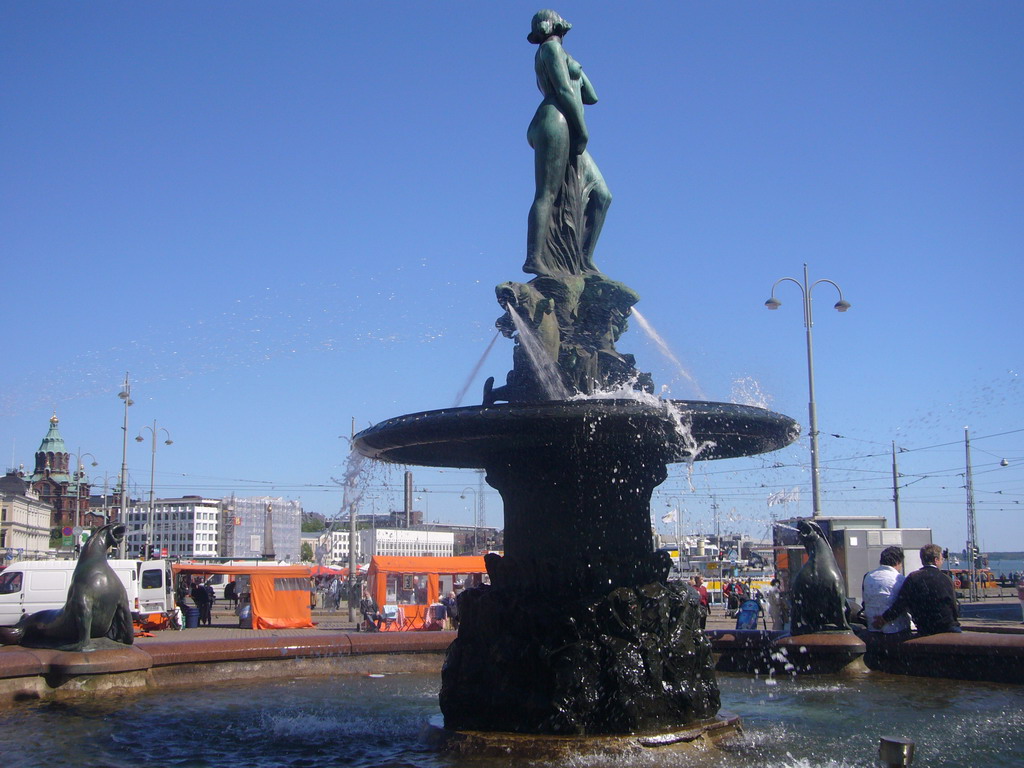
406 542
338 548
24 519
185 527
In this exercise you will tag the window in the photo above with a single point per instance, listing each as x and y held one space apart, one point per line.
10 582
152 578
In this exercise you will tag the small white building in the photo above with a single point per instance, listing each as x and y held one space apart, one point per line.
24 520
335 547
186 527
407 542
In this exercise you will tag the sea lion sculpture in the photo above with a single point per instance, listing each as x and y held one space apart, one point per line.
97 604
819 597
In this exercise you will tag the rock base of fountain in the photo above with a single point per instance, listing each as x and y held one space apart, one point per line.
630 661
697 736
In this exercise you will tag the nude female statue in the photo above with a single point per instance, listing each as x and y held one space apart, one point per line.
571 198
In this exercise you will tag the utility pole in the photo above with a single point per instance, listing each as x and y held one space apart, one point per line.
408 499
972 525
481 504
895 485
353 567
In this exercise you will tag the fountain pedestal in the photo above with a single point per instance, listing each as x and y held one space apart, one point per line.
579 630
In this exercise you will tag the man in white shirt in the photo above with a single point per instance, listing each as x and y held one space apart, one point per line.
880 589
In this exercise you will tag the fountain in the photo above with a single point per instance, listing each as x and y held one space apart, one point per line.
579 631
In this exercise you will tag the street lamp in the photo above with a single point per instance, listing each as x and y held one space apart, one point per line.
79 473
154 433
122 515
806 288
476 516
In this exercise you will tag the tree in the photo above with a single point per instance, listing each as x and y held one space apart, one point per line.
306 552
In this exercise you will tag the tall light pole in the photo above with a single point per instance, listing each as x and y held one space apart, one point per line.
126 397
154 433
78 475
476 516
806 289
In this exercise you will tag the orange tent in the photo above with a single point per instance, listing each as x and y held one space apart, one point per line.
381 567
279 593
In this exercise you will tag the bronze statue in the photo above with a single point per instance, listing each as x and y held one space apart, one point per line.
819 597
572 197
97 604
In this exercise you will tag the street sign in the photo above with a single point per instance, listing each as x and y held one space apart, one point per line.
77 530
66 531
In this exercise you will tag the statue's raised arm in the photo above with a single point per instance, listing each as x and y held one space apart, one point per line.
571 197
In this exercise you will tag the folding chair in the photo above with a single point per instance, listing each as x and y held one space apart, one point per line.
390 616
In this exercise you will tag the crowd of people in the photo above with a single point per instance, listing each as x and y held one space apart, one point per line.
894 604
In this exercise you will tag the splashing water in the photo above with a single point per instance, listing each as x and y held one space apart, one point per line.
353 488
662 346
675 413
475 371
747 391
544 367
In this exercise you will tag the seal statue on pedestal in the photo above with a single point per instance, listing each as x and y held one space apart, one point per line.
97 604
819 597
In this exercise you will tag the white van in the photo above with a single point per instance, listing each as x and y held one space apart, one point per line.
39 585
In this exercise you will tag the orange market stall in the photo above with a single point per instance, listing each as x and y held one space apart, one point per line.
279 594
411 585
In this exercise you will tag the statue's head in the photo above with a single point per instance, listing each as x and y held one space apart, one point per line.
546 23
809 531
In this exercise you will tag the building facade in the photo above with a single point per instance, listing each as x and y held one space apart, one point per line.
243 528
407 542
335 546
24 520
185 527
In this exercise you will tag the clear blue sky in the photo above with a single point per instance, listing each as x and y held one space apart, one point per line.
280 217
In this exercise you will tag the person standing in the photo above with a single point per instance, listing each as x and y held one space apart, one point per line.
201 598
211 598
776 605
880 588
928 595
705 602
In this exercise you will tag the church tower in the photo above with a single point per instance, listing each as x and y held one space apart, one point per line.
58 484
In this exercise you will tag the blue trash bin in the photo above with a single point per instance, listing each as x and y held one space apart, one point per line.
191 616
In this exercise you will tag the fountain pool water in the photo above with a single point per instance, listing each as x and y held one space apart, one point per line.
362 721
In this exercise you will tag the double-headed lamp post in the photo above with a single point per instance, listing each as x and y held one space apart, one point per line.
126 397
476 516
806 288
154 433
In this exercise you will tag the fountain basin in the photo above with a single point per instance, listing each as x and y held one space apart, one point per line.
760 652
469 437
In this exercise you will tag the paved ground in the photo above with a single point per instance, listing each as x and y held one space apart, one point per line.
1001 615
